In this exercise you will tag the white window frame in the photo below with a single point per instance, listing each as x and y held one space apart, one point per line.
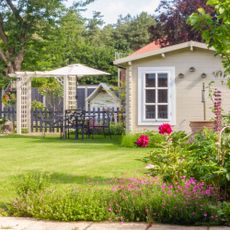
142 71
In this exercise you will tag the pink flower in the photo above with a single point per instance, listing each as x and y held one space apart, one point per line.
165 129
142 141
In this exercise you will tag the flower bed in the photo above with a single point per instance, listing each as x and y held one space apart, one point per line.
135 199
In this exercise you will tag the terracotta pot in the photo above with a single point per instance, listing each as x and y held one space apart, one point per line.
197 126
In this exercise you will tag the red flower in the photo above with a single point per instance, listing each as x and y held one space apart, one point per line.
165 129
142 141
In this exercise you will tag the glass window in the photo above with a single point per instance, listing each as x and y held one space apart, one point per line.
156 96
150 96
150 111
162 80
162 95
162 111
150 79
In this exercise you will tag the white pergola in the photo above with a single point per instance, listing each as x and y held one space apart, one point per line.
67 76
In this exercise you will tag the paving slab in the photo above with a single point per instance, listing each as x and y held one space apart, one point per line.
118 226
219 228
15 223
176 227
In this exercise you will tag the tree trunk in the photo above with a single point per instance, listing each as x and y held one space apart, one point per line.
15 64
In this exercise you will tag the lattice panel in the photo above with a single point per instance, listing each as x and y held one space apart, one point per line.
72 89
25 103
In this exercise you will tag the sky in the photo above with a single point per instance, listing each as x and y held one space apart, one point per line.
111 9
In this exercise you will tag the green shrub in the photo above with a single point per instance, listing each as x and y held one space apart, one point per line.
133 200
31 182
117 128
70 205
203 155
168 158
155 139
128 140
37 105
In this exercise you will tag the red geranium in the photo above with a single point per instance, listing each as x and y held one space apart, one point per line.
165 129
142 141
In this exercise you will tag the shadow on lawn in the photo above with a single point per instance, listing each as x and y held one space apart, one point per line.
99 139
62 178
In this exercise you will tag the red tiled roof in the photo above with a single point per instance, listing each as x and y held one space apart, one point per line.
148 48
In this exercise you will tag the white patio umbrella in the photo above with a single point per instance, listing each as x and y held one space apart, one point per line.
78 70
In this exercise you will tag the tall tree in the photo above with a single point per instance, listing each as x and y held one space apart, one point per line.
172 27
132 33
215 30
20 22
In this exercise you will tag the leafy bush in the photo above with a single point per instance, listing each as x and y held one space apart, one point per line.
128 140
35 198
37 105
134 199
190 202
32 182
203 155
69 205
168 157
117 128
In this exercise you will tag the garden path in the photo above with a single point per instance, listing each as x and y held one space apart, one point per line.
16 223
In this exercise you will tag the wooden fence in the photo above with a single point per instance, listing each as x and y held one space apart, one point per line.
52 121
8 113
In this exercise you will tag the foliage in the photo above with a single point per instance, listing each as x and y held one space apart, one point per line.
215 30
129 140
2 122
168 158
37 105
133 199
32 182
46 35
204 157
9 98
21 22
132 33
171 22
117 128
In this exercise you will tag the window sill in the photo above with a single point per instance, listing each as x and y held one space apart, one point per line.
155 123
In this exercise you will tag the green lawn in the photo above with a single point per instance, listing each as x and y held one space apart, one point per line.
81 163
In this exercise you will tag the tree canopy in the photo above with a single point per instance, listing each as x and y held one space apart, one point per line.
215 30
171 22
42 35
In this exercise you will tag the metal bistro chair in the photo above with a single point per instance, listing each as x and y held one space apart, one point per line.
101 125
69 122
80 124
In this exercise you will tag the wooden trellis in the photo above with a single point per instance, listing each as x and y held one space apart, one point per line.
66 76
23 91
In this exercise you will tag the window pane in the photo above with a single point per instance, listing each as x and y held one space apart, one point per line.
162 111
150 96
162 80
150 112
162 95
150 79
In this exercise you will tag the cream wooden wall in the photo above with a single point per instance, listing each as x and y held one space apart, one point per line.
188 89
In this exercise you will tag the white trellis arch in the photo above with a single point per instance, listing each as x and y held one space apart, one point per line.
66 76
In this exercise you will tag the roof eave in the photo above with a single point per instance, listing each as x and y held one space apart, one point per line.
162 51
